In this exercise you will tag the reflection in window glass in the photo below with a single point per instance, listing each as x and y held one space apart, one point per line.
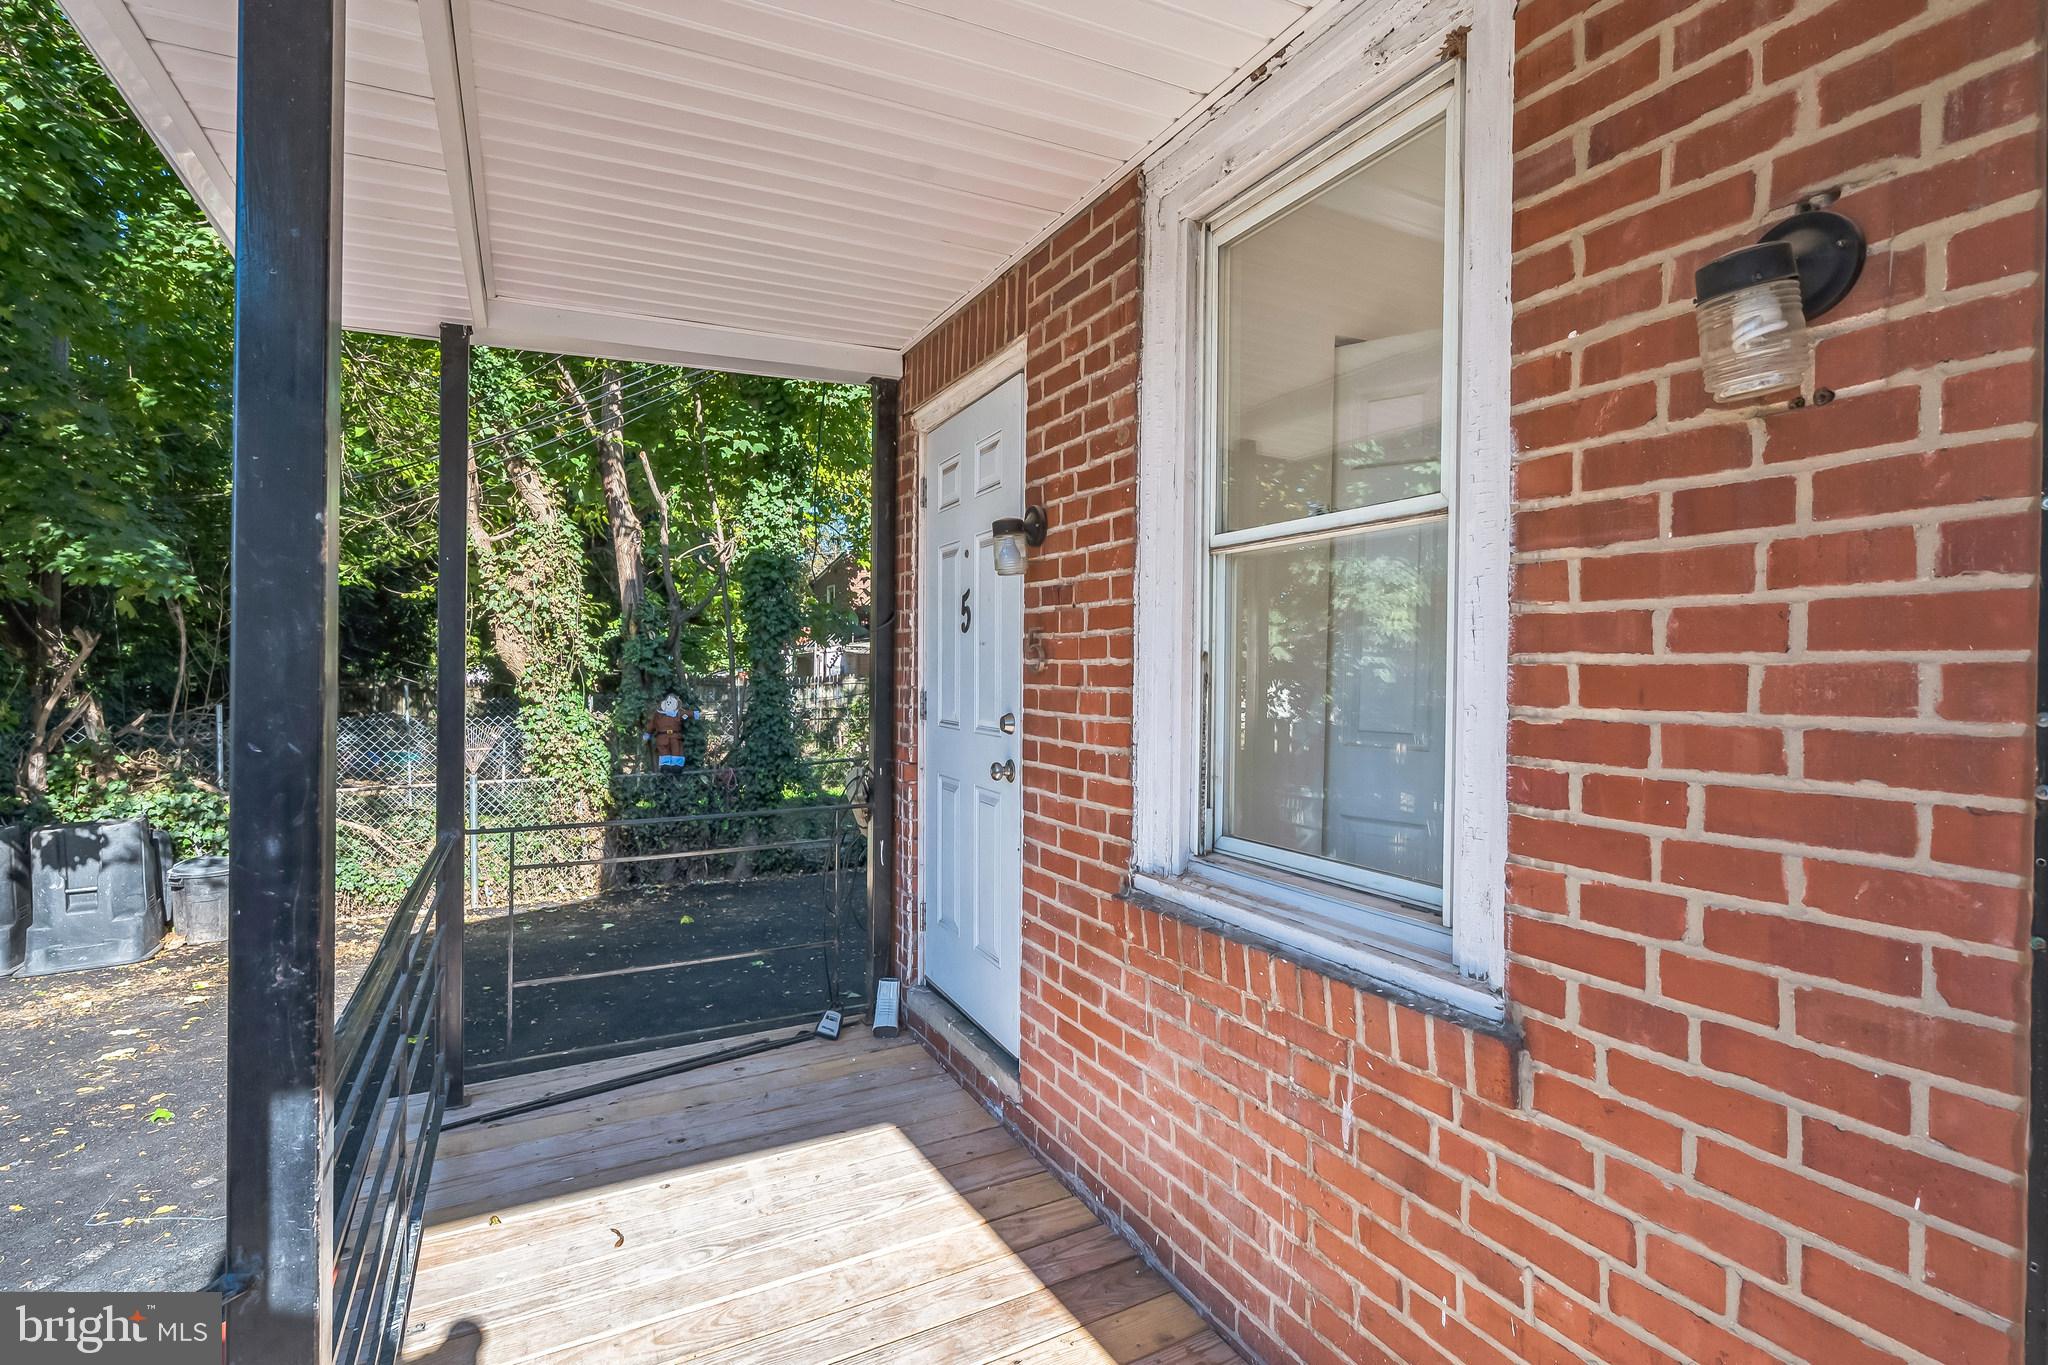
1332 718
1337 708
1331 344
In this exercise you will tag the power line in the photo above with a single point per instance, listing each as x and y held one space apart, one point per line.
644 400
560 415
649 397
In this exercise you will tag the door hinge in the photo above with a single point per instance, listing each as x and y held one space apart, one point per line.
920 703
924 491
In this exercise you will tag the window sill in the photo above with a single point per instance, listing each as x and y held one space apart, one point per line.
1274 919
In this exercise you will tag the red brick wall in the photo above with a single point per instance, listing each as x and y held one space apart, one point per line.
1770 773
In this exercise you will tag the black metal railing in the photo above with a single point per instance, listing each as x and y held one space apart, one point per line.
391 1090
803 867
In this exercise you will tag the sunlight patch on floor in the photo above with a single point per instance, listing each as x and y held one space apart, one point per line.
821 1203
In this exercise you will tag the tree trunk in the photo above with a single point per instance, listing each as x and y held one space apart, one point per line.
668 572
512 646
627 538
53 672
725 548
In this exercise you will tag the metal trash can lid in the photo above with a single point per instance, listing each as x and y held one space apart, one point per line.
209 866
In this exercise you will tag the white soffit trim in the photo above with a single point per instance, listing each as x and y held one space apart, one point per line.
1313 21
781 191
666 342
160 106
444 27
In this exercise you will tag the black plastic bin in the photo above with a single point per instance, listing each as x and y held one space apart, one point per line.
14 896
199 899
97 897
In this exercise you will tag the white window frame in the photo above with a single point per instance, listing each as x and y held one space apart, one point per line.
1307 123
1377 134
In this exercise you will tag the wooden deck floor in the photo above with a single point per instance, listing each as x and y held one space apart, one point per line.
825 1202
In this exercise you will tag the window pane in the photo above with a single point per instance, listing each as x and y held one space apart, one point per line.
1330 344
1335 725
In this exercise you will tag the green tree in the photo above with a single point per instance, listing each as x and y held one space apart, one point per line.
771 568
115 308
617 508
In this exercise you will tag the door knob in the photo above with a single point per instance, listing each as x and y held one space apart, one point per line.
1005 771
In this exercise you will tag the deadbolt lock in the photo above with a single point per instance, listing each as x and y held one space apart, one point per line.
1008 724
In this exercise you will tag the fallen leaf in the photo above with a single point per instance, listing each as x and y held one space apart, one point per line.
160 1115
618 1238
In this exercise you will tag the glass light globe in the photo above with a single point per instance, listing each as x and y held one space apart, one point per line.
1754 340
1009 553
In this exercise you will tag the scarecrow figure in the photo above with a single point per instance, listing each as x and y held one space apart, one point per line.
665 729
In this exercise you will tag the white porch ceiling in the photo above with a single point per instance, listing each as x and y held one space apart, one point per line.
784 186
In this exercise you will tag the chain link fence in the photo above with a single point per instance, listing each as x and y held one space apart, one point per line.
384 819
384 768
12 744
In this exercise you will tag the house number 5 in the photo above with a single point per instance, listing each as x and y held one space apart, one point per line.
966 612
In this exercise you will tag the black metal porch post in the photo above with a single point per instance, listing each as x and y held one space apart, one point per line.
287 476
882 690
451 662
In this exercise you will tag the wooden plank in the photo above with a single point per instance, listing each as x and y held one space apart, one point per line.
646 1247
921 1296
838 1204
725 1262
505 1090
752 1292
664 1143
487 1096
808 1320
1209 1349
711 1087
740 1191
1160 1322
1021 1321
756 1190
555 1139
734 1097
785 1142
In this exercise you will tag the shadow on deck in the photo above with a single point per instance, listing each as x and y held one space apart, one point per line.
824 1202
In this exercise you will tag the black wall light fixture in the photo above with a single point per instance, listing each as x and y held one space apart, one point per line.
1753 305
1012 535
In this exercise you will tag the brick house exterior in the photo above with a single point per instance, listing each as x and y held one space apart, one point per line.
1761 1094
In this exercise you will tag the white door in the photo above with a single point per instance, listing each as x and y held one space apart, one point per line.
972 627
